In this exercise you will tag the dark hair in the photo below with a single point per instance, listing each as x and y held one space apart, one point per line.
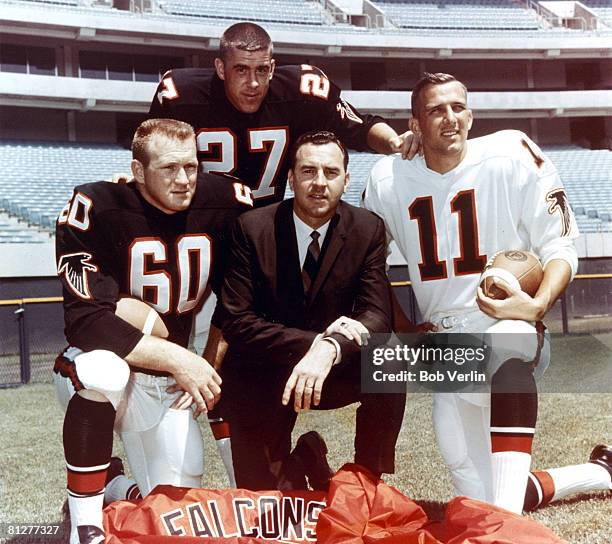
171 128
319 137
246 37
427 80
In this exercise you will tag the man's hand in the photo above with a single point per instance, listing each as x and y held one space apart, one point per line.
408 144
184 402
350 328
121 178
198 379
306 380
517 305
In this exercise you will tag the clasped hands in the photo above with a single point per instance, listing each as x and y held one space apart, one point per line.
309 374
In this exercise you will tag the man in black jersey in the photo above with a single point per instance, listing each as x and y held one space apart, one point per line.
160 239
247 113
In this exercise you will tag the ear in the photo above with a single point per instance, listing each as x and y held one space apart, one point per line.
220 68
413 125
290 179
272 66
470 119
138 171
347 180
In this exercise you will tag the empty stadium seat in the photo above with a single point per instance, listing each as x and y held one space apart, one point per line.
41 176
602 8
459 14
286 11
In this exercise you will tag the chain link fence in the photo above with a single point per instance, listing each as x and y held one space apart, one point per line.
31 336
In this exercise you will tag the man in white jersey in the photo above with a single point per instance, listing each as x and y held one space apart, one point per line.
464 201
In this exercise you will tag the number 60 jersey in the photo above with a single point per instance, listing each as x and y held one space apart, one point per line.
505 194
255 146
111 242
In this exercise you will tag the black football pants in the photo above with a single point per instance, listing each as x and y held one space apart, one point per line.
261 426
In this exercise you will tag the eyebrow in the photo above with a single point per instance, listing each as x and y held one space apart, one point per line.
433 107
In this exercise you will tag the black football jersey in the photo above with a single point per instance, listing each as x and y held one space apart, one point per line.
255 147
111 242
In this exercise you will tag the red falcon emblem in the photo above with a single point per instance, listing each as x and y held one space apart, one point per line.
74 267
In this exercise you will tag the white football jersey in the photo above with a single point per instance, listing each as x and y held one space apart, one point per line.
505 194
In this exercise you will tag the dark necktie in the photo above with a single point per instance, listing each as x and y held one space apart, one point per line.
310 268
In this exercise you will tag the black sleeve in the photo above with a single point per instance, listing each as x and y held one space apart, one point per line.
329 111
90 292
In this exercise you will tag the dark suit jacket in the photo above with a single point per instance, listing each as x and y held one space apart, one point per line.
269 321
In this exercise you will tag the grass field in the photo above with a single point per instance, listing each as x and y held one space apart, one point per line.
32 473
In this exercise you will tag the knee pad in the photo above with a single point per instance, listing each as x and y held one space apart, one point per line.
100 370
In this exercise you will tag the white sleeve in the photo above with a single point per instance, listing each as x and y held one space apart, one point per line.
549 220
370 200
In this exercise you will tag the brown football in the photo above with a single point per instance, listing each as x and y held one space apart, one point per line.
517 267
142 316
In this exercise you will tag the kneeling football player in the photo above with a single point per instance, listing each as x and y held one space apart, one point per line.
160 240
463 201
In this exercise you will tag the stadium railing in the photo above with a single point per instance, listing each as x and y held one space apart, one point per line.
31 329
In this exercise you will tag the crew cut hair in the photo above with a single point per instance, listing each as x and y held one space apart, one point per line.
319 137
246 37
427 80
170 128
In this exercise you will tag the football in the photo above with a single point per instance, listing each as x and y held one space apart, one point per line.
142 316
521 269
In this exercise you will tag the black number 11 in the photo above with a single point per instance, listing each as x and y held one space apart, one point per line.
470 261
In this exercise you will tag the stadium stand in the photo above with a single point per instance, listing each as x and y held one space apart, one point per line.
280 11
474 17
602 8
40 176
459 14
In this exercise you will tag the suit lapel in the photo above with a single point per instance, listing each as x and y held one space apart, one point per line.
334 240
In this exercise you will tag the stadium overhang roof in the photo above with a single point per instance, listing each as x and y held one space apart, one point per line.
113 26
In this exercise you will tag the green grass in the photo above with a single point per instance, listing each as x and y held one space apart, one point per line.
32 473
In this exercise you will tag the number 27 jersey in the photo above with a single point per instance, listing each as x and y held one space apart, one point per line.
505 194
255 147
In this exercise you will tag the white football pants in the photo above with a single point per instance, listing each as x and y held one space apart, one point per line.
462 420
163 446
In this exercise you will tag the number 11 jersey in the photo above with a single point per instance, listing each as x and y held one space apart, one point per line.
505 194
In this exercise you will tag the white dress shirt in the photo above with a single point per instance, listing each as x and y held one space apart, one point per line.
302 234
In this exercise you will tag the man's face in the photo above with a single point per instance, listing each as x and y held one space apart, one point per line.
168 182
443 122
246 77
318 180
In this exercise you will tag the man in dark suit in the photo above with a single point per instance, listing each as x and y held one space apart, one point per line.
305 283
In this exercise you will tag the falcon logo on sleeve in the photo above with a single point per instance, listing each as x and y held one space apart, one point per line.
345 110
168 91
74 267
558 202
